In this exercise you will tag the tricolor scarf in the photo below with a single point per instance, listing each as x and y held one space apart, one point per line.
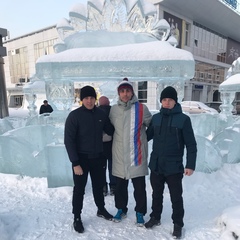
136 125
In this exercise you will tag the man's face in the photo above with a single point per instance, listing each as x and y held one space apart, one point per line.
89 102
168 103
125 94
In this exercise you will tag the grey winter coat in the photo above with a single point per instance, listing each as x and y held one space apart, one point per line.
130 146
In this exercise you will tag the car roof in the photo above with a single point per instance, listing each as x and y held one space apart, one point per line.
197 102
203 105
213 102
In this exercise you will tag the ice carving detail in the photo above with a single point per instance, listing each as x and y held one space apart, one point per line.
111 16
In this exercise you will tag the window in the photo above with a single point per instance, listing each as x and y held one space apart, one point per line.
18 100
208 43
44 48
187 34
142 92
201 75
18 64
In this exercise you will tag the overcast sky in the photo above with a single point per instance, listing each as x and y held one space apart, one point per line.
24 16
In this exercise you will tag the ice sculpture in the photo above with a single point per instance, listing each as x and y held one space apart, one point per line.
100 44
230 86
106 41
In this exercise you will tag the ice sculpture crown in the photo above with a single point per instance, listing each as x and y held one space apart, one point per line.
88 22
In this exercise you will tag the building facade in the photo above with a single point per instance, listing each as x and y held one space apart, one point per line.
208 29
22 54
198 27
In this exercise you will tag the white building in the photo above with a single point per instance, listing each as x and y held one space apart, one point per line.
22 54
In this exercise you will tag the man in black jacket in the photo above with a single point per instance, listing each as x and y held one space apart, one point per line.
104 104
83 140
45 108
171 131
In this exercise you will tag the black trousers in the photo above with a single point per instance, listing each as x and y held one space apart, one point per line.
140 195
96 168
174 183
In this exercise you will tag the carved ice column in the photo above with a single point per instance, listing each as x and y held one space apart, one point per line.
60 94
31 98
226 108
227 99
34 87
229 87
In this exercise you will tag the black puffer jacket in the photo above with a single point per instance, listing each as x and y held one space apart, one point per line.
45 109
83 133
171 130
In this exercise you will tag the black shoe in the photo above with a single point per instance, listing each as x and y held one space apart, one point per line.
112 190
177 231
105 190
104 214
78 226
152 222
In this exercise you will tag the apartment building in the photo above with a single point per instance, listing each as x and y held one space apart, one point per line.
208 29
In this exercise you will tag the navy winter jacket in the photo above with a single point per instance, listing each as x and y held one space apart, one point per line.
171 131
45 109
83 133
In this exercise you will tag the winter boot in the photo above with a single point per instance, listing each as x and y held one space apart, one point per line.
119 216
78 226
177 231
140 220
152 222
105 190
112 190
104 214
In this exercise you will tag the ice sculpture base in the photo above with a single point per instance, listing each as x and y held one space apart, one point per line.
59 167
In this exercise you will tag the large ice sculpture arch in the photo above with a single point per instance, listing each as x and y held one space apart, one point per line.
108 40
102 42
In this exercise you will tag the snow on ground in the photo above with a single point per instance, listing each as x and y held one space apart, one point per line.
30 210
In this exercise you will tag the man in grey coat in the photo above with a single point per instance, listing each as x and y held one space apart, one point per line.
130 150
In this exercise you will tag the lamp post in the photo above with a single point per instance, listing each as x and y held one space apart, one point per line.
3 93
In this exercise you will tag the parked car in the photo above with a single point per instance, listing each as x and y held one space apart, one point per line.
214 105
197 107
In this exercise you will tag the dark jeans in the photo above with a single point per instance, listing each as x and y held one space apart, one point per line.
140 196
96 168
174 183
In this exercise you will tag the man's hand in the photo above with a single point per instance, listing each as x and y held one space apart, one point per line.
188 172
78 170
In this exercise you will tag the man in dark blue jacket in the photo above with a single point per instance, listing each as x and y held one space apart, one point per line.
171 131
83 140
